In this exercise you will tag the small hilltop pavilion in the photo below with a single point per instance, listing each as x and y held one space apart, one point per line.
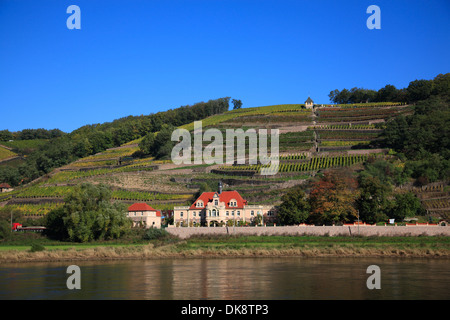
309 103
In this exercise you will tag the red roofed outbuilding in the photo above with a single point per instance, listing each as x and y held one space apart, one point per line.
144 215
4 187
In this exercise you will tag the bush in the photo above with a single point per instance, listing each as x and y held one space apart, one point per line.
154 233
5 230
35 247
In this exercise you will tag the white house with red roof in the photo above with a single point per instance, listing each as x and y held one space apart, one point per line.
219 208
4 187
144 215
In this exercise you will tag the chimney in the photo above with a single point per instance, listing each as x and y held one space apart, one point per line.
220 187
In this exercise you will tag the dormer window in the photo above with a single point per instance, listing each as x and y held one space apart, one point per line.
199 204
233 203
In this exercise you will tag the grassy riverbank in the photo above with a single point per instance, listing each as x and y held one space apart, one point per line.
227 246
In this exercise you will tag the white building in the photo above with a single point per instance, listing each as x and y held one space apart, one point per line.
221 207
144 215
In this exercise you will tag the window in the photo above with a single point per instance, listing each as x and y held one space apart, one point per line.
216 202
228 213
194 214
238 213
199 204
181 214
252 213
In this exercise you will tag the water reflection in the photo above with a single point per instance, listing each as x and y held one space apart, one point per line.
230 279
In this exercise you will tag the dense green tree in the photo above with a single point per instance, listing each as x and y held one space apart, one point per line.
6 135
294 208
88 214
405 205
159 144
373 202
237 104
386 171
441 85
419 90
146 144
388 93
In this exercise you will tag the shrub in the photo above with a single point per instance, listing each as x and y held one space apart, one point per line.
154 233
35 247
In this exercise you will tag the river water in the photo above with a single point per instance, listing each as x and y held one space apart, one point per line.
291 278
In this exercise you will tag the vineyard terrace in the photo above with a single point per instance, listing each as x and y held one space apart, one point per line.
213 153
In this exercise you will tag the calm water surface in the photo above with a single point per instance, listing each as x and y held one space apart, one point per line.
230 279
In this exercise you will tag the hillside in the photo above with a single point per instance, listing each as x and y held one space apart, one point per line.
311 141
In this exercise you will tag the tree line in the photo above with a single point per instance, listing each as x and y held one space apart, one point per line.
339 197
417 90
91 139
30 134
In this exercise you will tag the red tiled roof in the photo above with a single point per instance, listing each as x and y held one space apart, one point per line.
5 185
225 196
143 207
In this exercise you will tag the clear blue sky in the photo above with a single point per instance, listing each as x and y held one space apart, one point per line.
137 57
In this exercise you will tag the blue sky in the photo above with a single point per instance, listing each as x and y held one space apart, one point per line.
138 57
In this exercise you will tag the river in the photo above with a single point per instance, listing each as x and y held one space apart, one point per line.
290 278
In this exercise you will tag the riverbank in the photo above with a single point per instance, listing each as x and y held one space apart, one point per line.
242 246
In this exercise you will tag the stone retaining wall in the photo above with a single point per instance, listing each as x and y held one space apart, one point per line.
186 232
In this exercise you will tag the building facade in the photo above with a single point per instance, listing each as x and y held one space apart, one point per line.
221 208
144 216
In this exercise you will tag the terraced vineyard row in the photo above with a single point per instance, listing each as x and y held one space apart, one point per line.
343 143
147 196
311 164
344 127
63 191
34 209
332 113
370 104
347 135
5 153
358 114
67 176
238 114
437 203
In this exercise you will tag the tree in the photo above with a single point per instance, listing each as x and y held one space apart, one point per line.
373 203
5 135
146 144
388 93
419 90
163 144
203 187
332 199
237 104
441 85
294 208
333 95
387 172
406 205
88 214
